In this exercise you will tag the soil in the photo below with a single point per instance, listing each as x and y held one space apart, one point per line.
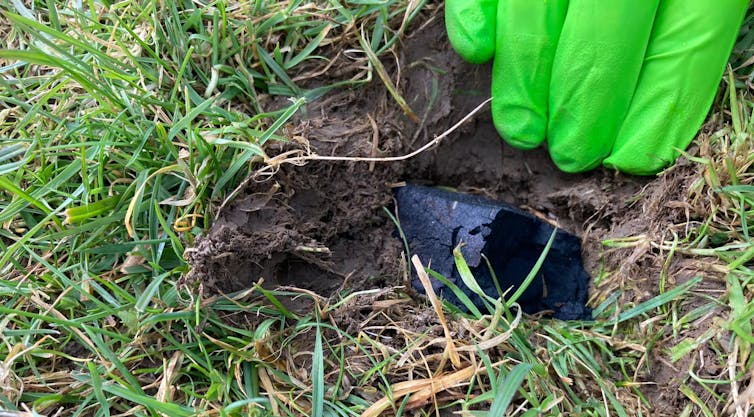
324 226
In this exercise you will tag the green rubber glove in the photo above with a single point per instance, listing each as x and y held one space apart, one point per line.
624 83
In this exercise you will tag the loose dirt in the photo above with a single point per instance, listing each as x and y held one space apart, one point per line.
325 227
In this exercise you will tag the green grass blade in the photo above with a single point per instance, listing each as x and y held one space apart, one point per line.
507 388
244 158
186 120
468 278
534 271
465 300
97 385
81 214
658 301
169 409
318 376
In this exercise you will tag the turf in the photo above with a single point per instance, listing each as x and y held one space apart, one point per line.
125 125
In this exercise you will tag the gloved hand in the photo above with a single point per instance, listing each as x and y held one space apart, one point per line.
619 82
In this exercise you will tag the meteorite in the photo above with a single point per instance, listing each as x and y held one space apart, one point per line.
435 221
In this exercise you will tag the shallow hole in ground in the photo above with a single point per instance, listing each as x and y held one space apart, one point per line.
315 226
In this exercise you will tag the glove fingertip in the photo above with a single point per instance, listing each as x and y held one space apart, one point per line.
572 154
631 164
521 128
570 165
470 50
471 29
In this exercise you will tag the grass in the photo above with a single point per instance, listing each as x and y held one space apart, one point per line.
125 125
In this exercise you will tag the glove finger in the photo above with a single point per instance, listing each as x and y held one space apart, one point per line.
527 35
687 53
594 75
471 28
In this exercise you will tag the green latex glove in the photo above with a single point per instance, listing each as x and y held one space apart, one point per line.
624 83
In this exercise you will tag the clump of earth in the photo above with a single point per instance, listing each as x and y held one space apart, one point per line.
324 226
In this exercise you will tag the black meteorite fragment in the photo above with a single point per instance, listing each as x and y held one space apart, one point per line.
435 221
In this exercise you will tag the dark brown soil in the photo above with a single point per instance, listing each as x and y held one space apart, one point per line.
323 226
